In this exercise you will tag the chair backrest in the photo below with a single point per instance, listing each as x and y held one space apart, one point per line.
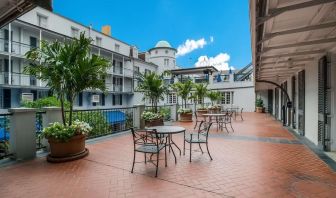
204 128
241 111
142 137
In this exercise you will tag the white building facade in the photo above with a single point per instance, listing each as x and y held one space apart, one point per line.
126 61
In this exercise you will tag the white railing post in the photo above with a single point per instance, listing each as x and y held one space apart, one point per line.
22 133
173 112
51 115
138 123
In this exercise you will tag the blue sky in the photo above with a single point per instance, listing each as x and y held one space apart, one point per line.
217 30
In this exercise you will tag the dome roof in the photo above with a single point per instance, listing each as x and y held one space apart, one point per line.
163 44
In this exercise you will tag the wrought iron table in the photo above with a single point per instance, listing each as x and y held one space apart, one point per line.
216 115
169 131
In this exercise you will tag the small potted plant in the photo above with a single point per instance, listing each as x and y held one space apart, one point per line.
183 90
259 105
201 92
185 114
153 87
67 140
152 119
214 97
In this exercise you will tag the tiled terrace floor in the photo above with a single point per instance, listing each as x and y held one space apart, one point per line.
260 159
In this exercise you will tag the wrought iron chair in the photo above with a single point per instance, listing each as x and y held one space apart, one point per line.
240 113
199 119
226 120
199 137
149 141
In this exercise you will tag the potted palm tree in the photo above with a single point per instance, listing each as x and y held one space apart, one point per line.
153 87
201 91
214 97
183 90
68 69
259 103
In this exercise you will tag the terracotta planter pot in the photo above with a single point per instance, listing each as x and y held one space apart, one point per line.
259 109
186 117
67 151
214 110
157 122
201 112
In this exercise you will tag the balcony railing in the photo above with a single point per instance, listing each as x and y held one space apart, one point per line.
18 48
5 133
106 121
18 79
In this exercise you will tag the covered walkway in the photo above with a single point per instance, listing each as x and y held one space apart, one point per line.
260 159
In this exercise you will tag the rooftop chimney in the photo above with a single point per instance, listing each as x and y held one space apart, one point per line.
106 29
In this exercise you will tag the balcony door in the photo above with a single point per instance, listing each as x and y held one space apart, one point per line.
270 101
276 110
301 104
293 102
7 98
324 106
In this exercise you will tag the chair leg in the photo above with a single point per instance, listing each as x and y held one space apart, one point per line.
145 158
231 127
208 151
190 152
157 163
184 143
241 116
200 147
226 128
133 162
195 125
166 155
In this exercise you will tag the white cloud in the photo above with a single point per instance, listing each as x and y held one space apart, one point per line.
220 62
190 45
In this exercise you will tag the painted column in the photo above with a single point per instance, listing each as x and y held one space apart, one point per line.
10 53
40 81
138 123
53 114
23 133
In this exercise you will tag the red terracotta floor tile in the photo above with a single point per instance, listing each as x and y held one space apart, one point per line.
259 159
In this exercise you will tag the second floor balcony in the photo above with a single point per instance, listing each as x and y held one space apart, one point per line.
17 48
19 79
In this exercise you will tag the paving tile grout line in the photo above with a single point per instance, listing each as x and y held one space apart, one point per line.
257 139
209 191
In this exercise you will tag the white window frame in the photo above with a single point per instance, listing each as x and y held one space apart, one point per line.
99 41
172 98
74 32
39 21
227 97
166 62
116 47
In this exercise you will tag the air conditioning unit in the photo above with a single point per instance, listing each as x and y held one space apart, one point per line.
95 98
27 97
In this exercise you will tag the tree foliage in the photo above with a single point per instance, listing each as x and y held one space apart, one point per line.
214 96
201 91
183 89
153 87
68 69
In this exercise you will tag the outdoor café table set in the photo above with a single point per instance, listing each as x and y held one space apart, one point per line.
152 140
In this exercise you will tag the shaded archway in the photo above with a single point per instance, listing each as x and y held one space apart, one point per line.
289 103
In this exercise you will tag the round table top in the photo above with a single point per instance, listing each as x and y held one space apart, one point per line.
214 114
168 129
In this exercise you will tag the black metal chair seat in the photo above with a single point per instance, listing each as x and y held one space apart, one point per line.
150 148
195 138
200 137
149 141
